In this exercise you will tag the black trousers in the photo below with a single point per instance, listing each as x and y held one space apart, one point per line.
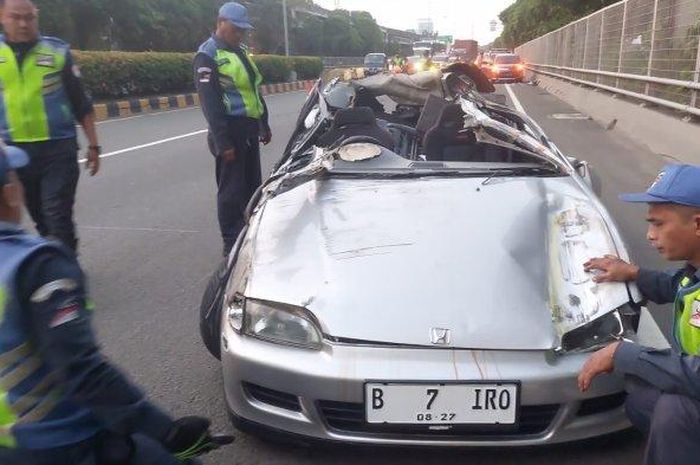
50 181
672 422
237 181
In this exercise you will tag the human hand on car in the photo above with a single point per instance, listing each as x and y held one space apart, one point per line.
601 362
612 269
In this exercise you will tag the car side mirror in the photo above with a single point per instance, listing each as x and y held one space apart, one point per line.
586 172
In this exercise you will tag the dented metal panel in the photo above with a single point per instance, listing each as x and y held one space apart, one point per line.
498 264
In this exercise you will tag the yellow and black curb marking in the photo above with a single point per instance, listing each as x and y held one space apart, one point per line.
138 106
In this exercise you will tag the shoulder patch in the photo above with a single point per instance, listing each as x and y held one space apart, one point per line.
45 292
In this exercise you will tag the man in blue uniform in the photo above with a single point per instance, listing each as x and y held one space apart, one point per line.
228 83
61 401
41 98
663 385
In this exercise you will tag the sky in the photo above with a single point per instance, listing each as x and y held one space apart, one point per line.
453 17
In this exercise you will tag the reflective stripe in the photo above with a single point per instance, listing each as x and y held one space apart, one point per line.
33 397
45 292
42 410
19 374
15 355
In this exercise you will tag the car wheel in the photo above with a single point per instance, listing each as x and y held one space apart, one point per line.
210 310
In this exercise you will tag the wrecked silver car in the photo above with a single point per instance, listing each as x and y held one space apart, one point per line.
412 273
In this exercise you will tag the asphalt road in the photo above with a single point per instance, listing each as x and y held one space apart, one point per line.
149 240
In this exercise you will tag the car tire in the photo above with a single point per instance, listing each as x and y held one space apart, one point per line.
210 310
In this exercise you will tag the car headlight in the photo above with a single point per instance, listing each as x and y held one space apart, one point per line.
274 322
602 331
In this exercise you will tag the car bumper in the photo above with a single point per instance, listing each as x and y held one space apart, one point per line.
319 395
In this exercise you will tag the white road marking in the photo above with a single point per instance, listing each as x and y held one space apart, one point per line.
516 103
577 116
150 144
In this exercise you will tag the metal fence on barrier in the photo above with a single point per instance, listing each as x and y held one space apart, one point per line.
647 49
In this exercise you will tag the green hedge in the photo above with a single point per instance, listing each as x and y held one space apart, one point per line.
121 74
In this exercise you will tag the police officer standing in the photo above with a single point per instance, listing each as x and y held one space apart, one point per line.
42 98
663 385
228 83
61 402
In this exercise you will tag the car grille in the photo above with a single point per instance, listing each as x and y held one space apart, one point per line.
271 397
601 404
350 417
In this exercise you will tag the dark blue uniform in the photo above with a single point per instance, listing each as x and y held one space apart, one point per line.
229 128
51 179
663 385
61 401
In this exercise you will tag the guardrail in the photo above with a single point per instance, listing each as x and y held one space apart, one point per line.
646 49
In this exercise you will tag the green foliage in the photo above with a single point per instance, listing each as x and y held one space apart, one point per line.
181 25
307 67
525 20
120 74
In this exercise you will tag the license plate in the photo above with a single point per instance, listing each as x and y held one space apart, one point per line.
442 404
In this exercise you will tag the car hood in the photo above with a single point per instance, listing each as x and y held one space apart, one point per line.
498 264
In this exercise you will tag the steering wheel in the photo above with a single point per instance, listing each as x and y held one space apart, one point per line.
357 140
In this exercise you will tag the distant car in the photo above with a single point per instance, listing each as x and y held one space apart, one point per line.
441 59
375 63
507 68
417 64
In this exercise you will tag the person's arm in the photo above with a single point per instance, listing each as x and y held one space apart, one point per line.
83 111
206 78
54 293
654 285
666 370
658 286
265 131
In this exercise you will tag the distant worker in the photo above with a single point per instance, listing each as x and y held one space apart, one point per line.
42 98
228 83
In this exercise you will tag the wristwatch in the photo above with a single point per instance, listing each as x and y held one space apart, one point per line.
97 148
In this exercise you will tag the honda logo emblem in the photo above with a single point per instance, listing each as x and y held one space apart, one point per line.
440 336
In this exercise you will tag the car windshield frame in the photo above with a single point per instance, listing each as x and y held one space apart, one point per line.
375 60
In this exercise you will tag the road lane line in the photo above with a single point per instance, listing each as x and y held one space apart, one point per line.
516 103
150 144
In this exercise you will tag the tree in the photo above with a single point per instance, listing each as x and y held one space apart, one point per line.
371 36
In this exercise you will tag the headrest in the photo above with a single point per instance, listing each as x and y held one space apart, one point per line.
359 115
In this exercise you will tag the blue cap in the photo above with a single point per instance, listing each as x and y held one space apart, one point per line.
11 158
236 14
679 184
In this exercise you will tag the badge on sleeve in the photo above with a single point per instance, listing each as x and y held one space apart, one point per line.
204 74
67 312
695 315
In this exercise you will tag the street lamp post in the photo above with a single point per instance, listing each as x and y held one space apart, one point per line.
286 28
